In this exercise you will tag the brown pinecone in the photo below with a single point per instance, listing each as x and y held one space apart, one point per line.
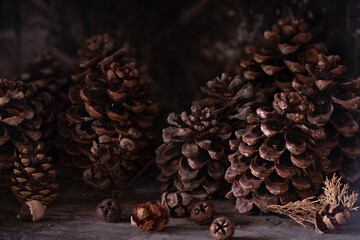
26 116
111 99
332 218
149 216
283 50
34 177
234 98
285 152
78 125
179 203
46 72
117 159
193 157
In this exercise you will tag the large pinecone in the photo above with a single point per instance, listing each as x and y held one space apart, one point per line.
283 50
34 177
26 117
193 157
284 152
77 127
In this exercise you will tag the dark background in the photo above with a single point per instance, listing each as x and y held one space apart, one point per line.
180 44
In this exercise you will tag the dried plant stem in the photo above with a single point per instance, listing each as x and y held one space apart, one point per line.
304 211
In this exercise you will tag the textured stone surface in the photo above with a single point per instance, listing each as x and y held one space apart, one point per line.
72 216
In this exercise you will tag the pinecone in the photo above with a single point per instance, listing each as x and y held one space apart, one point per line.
34 177
284 50
234 98
45 71
284 153
111 99
193 156
116 159
25 117
179 203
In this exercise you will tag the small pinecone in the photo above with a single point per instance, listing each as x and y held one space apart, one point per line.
46 73
110 99
179 203
34 177
116 159
193 157
149 216
332 218
284 50
285 152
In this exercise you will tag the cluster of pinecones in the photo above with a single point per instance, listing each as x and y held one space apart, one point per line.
98 122
274 132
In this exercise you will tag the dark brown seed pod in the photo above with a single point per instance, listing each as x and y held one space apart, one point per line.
109 210
203 213
222 228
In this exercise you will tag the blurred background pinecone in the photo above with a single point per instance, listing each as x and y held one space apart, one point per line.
193 157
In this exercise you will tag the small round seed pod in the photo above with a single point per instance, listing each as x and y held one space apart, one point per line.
203 213
31 211
222 228
108 210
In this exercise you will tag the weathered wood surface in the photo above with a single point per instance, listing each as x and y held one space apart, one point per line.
72 217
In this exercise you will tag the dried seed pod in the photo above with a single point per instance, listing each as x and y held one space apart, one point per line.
149 216
31 211
222 228
203 213
332 218
179 203
109 210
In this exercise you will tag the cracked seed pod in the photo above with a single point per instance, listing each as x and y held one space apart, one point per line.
116 160
193 156
285 152
46 73
332 218
283 50
34 177
149 216
110 99
26 117
222 228
179 203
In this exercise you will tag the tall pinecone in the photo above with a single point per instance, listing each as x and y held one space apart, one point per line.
284 152
76 129
193 157
34 177
26 117
283 50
